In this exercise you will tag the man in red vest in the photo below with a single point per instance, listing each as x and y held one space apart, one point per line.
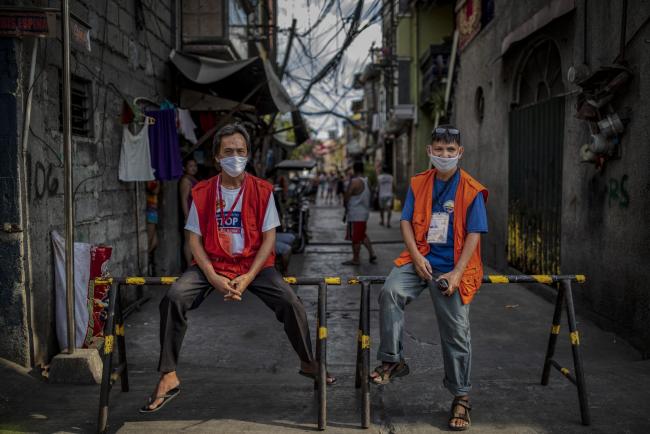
442 221
232 224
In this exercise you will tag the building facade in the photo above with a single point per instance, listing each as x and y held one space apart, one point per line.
122 52
554 122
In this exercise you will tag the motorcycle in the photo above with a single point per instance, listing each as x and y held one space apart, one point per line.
295 215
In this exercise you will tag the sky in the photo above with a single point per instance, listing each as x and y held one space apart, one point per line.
325 39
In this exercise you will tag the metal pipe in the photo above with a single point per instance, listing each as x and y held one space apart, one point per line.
322 356
107 359
450 73
68 202
25 208
552 340
577 358
621 54
365 354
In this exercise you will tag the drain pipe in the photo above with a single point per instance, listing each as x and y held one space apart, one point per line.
68 202
25 206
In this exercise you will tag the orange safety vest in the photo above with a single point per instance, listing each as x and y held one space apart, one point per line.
255 199
468 188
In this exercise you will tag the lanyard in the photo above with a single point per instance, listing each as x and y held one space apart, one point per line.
222 202
445 189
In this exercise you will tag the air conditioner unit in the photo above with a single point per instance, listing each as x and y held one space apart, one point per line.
404 111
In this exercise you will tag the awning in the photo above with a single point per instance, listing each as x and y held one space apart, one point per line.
252 80
193 100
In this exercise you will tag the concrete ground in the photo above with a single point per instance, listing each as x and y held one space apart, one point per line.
239 373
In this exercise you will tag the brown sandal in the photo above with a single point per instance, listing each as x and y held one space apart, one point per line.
464 416
386 375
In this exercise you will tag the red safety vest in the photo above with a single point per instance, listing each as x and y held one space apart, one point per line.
255 199
468 188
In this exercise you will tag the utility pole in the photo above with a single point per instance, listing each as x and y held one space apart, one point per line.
68 203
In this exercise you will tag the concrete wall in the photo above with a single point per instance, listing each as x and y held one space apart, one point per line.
105 207
604 213
13 303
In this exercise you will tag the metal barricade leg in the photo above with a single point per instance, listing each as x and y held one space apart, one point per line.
552 340
322 356
357 377
577 358
107 359
121 346
365 354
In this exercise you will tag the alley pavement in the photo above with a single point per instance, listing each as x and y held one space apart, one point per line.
239 373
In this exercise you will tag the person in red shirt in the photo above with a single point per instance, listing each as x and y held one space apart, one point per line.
232 223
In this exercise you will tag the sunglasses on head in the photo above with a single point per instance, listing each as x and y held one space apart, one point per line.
442 130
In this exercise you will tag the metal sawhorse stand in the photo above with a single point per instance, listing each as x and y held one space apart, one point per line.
362 377
114 330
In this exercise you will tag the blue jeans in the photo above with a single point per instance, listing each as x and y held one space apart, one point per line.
402 286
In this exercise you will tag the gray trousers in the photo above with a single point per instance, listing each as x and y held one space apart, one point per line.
189 291
402 286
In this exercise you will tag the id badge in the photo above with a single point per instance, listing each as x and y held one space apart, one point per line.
438 228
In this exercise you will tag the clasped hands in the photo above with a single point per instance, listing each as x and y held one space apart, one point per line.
424 270
232 289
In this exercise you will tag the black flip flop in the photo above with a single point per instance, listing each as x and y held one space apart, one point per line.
373 259
313 376
171 394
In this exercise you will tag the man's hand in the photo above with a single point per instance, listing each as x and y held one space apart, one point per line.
423 267
453 277
239 284
224 286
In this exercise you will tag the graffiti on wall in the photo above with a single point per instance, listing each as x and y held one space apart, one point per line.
617 193
45 181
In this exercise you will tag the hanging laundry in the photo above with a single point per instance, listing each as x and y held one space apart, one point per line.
135 156
165 149
207 120
127 115
167 104
186 125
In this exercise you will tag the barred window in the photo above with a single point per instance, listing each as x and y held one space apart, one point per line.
80 105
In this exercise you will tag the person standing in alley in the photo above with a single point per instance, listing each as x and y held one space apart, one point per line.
185 185
442 221
232 224
357 205
385 181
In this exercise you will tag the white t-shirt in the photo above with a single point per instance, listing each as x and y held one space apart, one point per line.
385 185
233 224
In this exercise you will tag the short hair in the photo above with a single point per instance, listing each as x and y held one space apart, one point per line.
358 167
443 133
229 130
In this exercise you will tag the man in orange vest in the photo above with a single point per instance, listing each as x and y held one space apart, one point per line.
232 224
442 221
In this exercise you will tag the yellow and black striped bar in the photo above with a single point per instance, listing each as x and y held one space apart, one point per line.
168 280
494 278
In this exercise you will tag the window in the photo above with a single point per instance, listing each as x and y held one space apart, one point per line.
403 82
80 105
237 27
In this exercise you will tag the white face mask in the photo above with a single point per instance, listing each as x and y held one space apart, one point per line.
233 166
444 164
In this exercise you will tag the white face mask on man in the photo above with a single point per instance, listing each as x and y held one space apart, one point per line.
233 166
444 164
